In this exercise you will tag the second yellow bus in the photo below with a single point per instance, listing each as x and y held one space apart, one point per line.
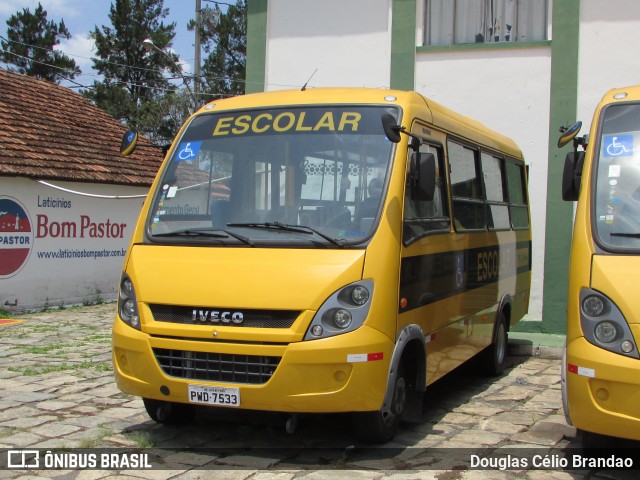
601 386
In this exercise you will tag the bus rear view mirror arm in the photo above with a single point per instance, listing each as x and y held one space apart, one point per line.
392 130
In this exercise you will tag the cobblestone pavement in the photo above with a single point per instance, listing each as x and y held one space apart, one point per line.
58 392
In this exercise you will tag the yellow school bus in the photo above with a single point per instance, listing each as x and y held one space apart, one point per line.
323 250
600 382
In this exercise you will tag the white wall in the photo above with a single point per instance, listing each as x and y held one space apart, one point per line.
349 46
507 90
76 244
609 36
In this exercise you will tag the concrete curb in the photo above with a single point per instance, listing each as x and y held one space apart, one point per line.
536 345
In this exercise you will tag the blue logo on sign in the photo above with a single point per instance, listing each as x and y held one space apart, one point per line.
618 145
188 150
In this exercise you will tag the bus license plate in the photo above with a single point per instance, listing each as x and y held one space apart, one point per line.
220 396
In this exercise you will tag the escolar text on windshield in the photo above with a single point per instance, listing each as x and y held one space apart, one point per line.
286 121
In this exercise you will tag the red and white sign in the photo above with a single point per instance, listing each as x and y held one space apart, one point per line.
16 236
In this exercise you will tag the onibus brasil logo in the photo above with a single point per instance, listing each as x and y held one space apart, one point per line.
16 236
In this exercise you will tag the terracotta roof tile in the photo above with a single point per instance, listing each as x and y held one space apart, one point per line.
49 132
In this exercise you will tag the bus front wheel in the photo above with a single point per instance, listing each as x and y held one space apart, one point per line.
169 413
381 426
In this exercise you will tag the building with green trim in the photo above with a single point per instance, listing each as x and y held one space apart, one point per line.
531 67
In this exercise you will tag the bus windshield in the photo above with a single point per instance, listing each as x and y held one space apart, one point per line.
305 176
617 189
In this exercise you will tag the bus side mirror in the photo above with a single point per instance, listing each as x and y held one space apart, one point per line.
568 134
422 175
129 142
391 127
572 175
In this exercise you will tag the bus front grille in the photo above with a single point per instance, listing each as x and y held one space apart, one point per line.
219 367
212 316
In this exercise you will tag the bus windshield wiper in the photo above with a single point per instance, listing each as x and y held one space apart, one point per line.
625 234
205 232
290 228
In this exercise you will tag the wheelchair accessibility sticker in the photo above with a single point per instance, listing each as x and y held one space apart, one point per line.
188 150
618 145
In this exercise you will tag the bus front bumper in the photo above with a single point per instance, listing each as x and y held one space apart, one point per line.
338 374
603 390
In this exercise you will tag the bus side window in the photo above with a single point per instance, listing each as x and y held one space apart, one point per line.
494 187
426 216
466 191
517 195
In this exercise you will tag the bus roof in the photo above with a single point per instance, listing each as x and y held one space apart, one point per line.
626 94
440 116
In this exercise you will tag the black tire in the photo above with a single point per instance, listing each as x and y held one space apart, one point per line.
169 413
381 427
493 359
595 442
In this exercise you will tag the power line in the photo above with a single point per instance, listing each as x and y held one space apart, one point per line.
142 69
155 70
117 83
79 85
51 50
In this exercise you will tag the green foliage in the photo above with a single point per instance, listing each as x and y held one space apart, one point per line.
165 115
141 439
29 46
225 43
133 80
134 87
31 371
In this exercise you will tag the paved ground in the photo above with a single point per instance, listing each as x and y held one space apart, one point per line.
58 392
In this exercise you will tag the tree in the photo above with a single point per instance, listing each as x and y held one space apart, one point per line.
225 42
29 46
133 78
163 117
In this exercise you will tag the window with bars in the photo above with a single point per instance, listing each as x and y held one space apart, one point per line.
453 22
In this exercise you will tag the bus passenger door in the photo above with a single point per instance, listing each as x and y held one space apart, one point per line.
430 275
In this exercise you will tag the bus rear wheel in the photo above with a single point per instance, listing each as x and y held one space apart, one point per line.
169 413
381 426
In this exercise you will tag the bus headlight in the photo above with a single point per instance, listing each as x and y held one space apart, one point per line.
342 318
344 311
605 332
359 295
593 306
610 333
127 303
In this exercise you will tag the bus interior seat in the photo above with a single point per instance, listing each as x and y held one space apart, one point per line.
335 216
308 217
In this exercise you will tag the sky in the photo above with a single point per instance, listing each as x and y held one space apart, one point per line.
81 16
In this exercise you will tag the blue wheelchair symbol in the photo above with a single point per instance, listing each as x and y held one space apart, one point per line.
188 150
618 145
